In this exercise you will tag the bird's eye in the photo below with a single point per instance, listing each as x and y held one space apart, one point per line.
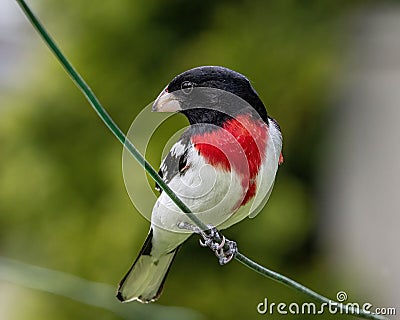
187 87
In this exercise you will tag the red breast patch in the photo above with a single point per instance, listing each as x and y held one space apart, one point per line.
239 144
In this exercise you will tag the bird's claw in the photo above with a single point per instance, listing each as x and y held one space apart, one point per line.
223 248
227 255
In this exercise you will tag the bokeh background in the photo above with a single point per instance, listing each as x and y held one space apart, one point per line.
328 71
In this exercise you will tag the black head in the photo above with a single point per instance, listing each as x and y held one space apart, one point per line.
180 96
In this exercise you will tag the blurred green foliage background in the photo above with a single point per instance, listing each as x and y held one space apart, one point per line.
63 204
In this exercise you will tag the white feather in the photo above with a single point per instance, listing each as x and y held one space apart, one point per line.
269 167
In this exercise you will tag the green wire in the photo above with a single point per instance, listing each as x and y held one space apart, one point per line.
105 117
102 113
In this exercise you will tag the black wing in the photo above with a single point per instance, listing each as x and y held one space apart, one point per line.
176 160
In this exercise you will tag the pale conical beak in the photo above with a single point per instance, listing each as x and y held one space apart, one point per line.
166 102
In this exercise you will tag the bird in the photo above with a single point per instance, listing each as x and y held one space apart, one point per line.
223 167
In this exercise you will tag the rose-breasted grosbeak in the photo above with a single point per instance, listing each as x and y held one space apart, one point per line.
223 167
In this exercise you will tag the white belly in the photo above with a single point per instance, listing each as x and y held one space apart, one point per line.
213 195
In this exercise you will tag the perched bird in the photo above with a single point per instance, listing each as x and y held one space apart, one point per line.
222 167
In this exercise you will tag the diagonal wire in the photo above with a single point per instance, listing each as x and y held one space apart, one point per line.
102 113
105 117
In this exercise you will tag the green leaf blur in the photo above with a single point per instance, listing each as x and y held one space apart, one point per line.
63 204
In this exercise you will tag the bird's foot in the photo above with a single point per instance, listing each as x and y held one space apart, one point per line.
223 248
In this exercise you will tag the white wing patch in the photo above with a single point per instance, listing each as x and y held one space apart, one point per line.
170 165
178 149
